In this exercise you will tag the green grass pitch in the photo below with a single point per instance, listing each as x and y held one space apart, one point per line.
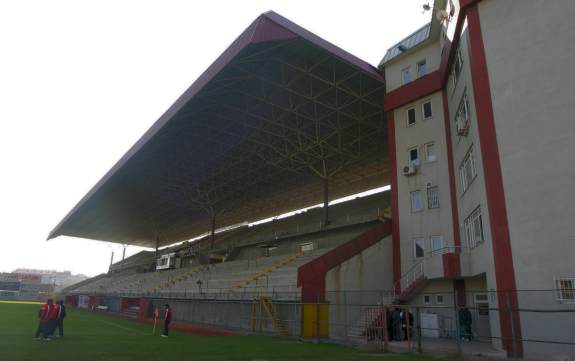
92 337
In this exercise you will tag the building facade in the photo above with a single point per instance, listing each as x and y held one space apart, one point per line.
479 120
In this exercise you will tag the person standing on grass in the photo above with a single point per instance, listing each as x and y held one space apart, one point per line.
61 317
167 320
53 319
43 318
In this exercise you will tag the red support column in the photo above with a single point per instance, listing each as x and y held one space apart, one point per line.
396 243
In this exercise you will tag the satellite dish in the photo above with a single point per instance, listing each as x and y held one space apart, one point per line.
441 15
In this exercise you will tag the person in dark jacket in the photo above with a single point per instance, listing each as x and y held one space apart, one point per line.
61 317
465 321
167 320
396 324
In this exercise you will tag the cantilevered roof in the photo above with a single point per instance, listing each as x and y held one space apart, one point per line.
255 135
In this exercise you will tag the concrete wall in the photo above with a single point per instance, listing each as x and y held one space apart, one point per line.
360 281
532 85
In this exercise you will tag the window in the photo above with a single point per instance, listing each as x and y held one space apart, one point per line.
433 197
462 116
456 70
467 171
410 116
439 299
430 155
474 228
426 299
406 75
437 245
426 110
421 68
565 289
419 248
413 156
416 203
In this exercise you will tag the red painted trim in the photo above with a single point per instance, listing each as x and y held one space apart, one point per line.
311 276
396 241
459 288
451 169
502 253
451 265
414 90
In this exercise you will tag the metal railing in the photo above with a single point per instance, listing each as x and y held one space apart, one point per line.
416 272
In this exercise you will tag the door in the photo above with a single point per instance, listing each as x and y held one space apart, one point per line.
481 315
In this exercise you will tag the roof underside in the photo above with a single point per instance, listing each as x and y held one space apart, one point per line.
256 135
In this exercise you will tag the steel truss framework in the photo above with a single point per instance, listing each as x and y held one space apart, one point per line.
276 124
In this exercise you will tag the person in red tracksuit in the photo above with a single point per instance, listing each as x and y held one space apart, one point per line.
53 318
44 317
167 320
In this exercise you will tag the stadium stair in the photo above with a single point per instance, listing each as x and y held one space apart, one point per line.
174 280
371 318
266 305
253 278
410 282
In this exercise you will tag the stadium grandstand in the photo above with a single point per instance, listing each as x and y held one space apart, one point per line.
412 201
281 121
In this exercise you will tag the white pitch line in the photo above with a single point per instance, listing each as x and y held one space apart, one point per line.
125 328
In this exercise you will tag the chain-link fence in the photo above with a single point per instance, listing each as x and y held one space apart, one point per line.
530 323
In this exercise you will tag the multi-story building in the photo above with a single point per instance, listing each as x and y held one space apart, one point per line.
479 109
57 279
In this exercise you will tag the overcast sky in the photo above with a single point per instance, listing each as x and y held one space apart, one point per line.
81 81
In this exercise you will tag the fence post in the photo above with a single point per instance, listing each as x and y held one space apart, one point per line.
512 321
345 316
317 317
294 321
418 329
408 327
385 333
457 330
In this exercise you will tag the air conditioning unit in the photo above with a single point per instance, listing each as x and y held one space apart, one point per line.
462 127
409 170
